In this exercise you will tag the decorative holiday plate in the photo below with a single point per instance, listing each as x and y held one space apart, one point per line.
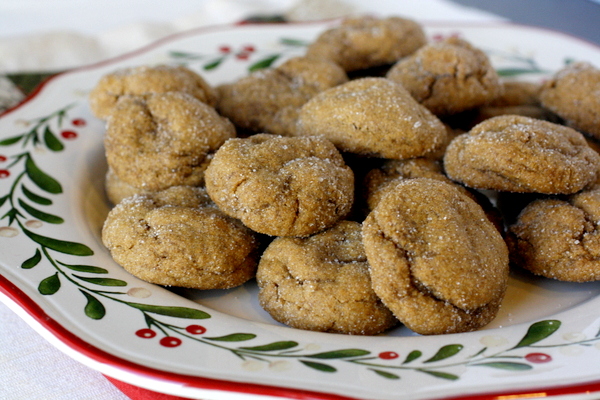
220 344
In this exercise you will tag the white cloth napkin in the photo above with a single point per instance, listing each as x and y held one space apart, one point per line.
41 35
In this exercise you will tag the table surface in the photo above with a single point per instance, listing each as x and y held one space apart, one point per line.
23 353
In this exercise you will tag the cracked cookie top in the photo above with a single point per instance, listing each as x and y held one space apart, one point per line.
178 237
145 80
448 77
163 140
521 154
574 94
559 238
281 186
436 260
322 283
367 41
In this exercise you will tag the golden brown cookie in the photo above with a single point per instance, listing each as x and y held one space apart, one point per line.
365 42
559 239
322 283
178 237
372 116
448 77
281 186
573 94
163 140
379 181
269 100
144 80
521 154
436 261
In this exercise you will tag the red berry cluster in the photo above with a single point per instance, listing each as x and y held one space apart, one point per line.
242 54
70 134
170 341
4 173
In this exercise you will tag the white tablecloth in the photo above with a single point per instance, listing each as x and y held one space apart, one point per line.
42 35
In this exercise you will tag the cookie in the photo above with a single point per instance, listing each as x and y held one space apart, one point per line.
268 100
322 283
573 94
281 186
177 237
436 261
448 77
374 117
367 41
559 238
522 154
144 80
163 140
379 181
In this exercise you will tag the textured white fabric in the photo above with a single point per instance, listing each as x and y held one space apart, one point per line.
41 35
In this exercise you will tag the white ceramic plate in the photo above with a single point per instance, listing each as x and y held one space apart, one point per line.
221 344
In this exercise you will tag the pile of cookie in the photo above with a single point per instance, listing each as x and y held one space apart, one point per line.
353 182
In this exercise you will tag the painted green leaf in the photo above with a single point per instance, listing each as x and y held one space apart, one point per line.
517 71
52 141
49 285
443 375
511 366
346 353
293 42
41 179
11 140
32 261
264 63
445 352
538 331
234 337
72 248
275 346
213 64
318 366
41 215
36 198
186 55
12 215
385 374
3 200
84 268
413 355
178 312
93 308
103 281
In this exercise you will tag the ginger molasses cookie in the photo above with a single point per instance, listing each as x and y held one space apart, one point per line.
574 94
178 237
268 100
372 116
163 140
521 154
322 283
281 186
559 238
365 42
144 80
436 261
448 77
